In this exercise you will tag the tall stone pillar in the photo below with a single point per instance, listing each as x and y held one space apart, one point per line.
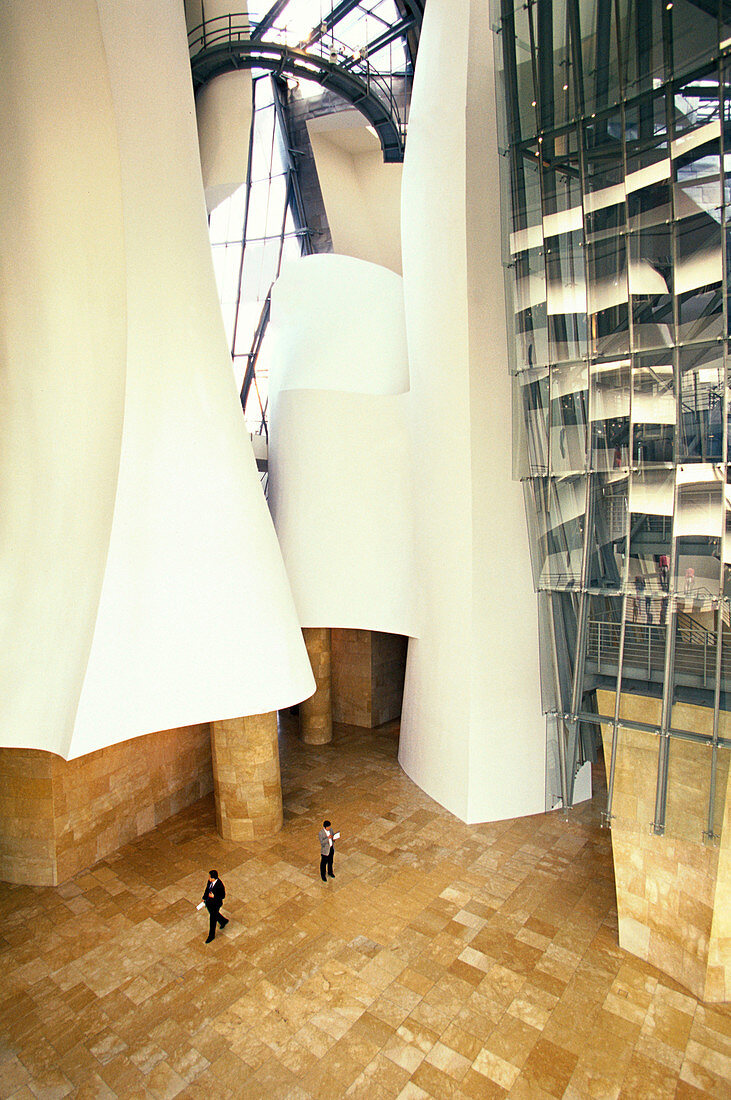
246 776
316 724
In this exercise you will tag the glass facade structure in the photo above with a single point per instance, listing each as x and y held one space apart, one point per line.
616 140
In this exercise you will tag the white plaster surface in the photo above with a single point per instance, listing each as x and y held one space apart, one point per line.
62 365
472 732
195 621
362 195
339 460
223 109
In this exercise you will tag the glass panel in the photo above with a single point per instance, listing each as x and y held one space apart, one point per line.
604 198
643 45
599 56
698 278
610 411
695 657
697 165
698 518
545 637
261 266
527 264
603 639
652 494
648 162
564 240
701 397
608 295
527 107
608 534
529 303
226 264
563 78
531 399
226 222
653 410
535 494
566 304
526 193
694 32
263 143
569 392
557 512
650 282
564 531
645 637
727 558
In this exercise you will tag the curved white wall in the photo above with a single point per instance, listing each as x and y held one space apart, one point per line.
195 621
223 106
223 109
339 462
62 367
362 195
472 732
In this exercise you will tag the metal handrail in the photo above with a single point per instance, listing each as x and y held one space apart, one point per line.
236 28
644 647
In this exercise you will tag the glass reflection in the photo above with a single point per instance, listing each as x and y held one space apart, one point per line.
569 394
557 507
651 500
610 414
653 410
608 531
701 403
699 515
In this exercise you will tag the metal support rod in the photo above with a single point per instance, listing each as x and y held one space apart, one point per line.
663 755
249 160
617 701
710 828
560 724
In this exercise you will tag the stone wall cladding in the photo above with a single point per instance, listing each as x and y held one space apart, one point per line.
58 817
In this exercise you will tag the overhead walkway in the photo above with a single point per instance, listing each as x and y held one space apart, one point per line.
223 44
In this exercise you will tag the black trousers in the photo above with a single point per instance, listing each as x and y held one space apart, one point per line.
215 914
326 864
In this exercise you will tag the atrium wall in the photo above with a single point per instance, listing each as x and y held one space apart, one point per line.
472 732
339 457
362 195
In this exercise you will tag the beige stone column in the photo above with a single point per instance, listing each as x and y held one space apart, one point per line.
316 724
246 776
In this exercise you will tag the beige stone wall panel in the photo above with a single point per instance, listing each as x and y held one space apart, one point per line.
58 817
673 891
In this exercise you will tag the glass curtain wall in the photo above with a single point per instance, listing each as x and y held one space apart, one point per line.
617 221
251 233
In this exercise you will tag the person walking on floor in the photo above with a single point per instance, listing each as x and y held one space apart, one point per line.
213 896
327 851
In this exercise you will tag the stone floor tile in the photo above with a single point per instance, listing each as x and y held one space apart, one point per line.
485 969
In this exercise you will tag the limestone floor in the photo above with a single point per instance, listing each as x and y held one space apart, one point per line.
443 961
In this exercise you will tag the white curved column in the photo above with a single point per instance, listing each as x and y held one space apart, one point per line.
472 732
62 368
339 462
196 620
223 108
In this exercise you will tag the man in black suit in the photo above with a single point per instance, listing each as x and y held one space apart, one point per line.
213 896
